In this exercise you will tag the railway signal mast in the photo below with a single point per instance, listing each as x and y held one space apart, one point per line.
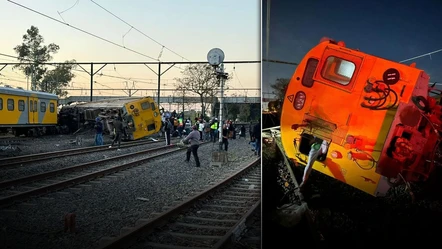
215 57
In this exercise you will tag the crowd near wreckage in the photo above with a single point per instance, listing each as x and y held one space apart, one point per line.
361 119
33 113
141 116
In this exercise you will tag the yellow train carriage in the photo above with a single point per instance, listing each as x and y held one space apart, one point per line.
143 117
25 111
349 107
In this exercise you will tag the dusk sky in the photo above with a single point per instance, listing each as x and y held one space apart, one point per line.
394 30
190 28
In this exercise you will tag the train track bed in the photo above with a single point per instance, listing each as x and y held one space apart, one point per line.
11 168
342 213
21 188
251 236
106 205
210 219
21 146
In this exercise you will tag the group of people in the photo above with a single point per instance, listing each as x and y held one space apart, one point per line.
201 131
118 131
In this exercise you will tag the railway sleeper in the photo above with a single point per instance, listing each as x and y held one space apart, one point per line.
235 197
163 246
198 226
210 219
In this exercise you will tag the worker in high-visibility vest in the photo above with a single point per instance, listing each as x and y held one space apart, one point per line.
180 126
214 130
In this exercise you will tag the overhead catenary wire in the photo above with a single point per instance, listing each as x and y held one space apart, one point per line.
141 32
59 13
422 55
141 80
83 31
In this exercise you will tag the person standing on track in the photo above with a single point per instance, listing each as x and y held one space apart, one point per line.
118 129
225 135
167 128
98 131
257 133
193 138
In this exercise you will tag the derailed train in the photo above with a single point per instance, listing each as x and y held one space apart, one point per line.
364 120
35 113
141 116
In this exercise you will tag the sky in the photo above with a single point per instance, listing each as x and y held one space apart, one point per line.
189 28
394 30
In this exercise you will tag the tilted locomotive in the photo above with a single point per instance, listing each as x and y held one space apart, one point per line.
141 116
364 120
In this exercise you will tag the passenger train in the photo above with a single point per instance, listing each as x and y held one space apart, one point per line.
35 113
374 118
27 112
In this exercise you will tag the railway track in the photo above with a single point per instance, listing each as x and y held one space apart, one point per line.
11 140
34 185
287 176
17 160
212 219
251 238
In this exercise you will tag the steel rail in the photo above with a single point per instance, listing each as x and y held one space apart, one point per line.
143 229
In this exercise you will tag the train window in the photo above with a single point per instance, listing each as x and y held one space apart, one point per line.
35 106
153 106
1 104
21 105
338 70
10 104
307 79
145 105
43 107
31 106
51 107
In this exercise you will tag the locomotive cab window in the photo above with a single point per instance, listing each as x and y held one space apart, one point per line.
338 70
21 105
43 107
52 107
1 104
145 105
153 106
10 104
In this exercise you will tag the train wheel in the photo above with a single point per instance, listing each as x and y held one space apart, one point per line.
30 132
16 132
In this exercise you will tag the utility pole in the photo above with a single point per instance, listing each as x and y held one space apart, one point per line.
215 57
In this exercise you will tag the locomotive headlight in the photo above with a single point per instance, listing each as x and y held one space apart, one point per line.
299 101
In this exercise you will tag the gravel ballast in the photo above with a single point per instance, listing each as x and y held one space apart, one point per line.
104 206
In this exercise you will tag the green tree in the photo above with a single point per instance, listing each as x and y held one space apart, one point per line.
55 80
232 111
280 87
244 112
201 80
34 52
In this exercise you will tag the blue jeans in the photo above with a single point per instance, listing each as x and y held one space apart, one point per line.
258 146
99 139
